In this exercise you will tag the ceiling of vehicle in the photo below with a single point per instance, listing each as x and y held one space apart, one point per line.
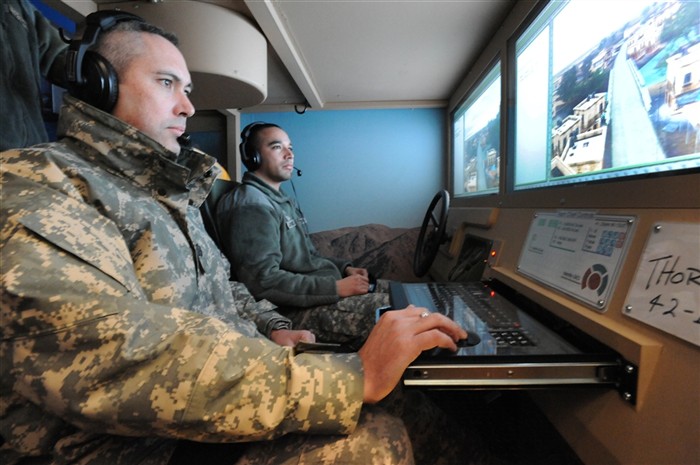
364 54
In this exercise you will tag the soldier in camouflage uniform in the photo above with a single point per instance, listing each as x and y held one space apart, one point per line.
266 239
121 338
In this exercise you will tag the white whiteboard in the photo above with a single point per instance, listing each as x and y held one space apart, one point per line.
665 292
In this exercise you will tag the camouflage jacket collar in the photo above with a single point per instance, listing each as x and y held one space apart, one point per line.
121 148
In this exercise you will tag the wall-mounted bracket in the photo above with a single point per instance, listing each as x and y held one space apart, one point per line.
624 377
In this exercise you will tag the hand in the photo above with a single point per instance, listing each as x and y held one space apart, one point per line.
351 270
290 337
396 340
355 284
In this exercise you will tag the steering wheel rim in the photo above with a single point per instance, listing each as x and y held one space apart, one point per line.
429 241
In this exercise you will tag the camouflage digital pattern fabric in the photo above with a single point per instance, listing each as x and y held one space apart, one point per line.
348 321
379 439
262 312
109 350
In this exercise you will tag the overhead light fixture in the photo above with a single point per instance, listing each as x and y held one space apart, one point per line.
225 53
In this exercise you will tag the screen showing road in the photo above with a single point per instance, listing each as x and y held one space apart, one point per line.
607 90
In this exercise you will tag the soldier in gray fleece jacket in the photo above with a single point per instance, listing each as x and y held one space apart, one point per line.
267 242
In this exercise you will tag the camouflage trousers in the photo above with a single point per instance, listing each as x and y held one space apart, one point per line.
349 321
405 428
379 439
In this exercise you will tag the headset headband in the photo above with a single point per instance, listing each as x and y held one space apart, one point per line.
95 24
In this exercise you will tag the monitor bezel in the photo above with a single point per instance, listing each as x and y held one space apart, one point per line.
473 89
660 190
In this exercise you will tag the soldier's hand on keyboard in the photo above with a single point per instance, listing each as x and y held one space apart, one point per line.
396 340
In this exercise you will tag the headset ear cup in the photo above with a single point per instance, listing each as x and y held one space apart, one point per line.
255 161
249 156
101 85
243 149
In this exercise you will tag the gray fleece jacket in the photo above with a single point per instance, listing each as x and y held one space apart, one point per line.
267 242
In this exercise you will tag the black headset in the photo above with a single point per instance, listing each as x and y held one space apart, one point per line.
249 154
89 76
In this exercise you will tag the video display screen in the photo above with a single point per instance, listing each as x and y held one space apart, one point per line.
606 90
476 138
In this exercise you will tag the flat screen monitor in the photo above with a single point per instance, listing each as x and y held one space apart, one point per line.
476 138
606 90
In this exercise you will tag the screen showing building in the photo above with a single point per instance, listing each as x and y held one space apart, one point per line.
607 90
476 138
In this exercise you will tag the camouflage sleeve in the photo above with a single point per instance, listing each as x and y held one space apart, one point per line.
80 340
263 313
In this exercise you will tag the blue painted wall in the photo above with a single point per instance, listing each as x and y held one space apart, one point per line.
364 166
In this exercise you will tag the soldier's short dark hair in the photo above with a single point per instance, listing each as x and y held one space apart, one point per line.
120 54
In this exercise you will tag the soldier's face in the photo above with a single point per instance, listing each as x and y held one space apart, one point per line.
277 156
154 92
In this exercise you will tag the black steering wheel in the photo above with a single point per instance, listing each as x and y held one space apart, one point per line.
430 238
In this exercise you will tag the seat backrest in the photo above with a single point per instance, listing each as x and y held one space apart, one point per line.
208 208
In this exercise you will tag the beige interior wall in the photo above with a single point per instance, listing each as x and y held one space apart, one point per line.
663 427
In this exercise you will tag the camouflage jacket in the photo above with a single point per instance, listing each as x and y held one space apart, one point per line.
110 350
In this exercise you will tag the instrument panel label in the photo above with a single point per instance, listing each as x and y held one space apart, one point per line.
578 253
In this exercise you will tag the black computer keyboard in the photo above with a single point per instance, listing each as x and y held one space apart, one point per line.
496 313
